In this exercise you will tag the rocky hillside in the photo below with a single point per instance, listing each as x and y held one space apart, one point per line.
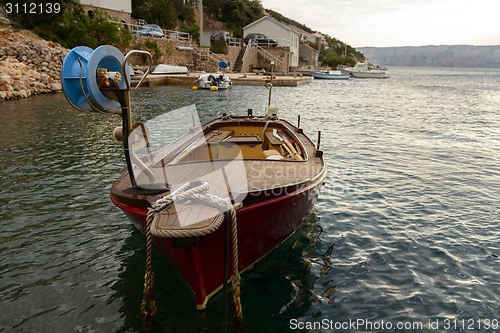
28 65
435 56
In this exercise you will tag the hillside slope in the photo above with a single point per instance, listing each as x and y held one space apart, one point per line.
435 56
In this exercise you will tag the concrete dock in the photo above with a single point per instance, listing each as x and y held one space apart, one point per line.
249 79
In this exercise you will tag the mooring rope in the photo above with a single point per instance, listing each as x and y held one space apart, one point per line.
196 191
148 304
236 281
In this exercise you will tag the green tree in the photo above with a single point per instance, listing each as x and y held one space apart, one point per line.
71 26
236 14
168 14
78 28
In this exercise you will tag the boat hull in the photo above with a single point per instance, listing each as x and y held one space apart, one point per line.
262 226
368 75
330 76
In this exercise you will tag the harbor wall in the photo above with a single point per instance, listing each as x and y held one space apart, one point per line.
28 65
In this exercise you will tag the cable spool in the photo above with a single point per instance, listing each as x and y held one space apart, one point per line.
79 77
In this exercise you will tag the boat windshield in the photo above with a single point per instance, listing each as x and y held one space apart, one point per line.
160 147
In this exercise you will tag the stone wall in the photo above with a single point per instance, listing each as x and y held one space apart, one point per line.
282 53
164 51
167 52
119 16
28 65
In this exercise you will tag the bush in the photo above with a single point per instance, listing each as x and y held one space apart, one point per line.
219 46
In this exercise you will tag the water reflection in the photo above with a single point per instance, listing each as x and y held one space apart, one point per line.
276 290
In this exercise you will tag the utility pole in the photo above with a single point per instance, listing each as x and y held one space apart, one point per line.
200 10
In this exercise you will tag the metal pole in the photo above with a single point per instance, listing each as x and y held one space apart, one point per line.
200 10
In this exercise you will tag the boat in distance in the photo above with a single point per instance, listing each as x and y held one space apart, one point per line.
362 70
170 69
330 75
218 80
261 175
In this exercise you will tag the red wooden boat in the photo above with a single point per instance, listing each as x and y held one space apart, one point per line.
265 166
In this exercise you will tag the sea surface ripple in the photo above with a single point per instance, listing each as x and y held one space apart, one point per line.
405 231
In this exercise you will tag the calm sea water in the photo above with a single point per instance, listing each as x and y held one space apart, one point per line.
405 236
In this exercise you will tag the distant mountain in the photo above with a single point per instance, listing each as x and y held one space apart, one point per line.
468 56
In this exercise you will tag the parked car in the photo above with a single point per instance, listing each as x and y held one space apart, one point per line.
151 30
219 35
260 39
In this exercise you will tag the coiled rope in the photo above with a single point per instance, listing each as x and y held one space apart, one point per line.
195 192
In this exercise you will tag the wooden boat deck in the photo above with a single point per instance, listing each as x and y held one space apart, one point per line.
235 174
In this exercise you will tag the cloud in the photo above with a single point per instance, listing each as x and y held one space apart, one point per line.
395 22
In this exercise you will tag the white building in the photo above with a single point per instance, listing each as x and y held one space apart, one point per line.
284 35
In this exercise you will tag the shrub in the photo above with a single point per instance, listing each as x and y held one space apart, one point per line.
219 46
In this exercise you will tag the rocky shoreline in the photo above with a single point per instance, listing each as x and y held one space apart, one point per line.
28 65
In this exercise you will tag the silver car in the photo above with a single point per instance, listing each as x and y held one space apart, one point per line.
150 30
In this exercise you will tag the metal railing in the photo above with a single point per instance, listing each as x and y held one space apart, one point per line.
231 41
211 56
168 34
263 52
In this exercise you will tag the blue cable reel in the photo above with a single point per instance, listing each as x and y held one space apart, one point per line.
79 77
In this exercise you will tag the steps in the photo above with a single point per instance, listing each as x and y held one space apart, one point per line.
239 61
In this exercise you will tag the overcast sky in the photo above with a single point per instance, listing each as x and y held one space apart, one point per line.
398 22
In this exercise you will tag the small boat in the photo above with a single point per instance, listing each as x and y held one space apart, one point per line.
330 75
362 70
170 69
209 80
238 185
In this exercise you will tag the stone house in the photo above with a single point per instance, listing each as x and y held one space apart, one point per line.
119 9
308 56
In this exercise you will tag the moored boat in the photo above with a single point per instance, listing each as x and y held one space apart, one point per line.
263 172
330 75
170 69
209 80
362 70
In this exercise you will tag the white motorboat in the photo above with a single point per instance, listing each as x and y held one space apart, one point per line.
209 80
363 71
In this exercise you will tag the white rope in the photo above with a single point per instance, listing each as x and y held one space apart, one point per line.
188 194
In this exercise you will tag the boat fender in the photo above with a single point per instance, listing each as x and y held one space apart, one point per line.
118 134
214 88
194 87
